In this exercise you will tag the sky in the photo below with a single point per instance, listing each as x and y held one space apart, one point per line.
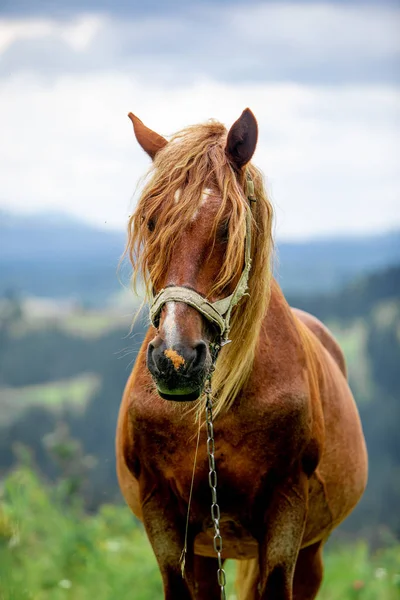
322 78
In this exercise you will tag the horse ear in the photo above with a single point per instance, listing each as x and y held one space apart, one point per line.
242 139
150 141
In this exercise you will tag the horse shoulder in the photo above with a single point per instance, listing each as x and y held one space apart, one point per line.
127 457
291 371
152 438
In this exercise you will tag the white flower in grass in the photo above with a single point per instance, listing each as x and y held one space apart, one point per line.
113 545
66 584
380 573
14 540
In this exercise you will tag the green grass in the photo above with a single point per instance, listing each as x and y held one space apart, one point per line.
95 323
352 340
351 573
51 551
55 396
387 314
78 322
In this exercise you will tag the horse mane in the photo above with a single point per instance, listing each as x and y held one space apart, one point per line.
314 374
193 160
313 369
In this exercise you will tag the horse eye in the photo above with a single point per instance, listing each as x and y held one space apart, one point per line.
223 230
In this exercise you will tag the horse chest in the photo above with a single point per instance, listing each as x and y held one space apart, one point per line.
246 448
239 478
250 447
243 459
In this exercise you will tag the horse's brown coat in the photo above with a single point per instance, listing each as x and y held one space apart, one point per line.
290 455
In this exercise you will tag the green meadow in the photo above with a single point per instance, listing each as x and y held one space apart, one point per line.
55 396
50 549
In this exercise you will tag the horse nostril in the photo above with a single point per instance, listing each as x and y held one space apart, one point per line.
151 362
201 355
179 360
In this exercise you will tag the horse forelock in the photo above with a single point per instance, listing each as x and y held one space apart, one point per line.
191 165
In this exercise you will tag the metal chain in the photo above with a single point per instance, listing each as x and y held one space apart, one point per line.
212 479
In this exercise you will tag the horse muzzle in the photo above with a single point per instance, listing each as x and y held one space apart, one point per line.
179 371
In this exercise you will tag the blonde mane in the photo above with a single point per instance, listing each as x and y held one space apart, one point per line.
194 159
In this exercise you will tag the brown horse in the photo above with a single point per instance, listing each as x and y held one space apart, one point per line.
289 448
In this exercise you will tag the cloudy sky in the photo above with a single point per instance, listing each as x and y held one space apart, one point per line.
323 79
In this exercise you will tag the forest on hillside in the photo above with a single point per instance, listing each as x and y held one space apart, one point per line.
61 380
62 385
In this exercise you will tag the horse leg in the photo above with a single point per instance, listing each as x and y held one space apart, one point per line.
205 573
166 535
308 573
279 548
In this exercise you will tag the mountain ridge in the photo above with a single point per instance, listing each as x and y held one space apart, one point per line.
55 255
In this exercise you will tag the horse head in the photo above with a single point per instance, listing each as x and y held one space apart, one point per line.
190 238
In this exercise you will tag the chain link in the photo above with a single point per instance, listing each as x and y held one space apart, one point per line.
212 480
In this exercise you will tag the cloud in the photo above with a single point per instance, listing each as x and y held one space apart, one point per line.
275 41
77 33
321 77
329 153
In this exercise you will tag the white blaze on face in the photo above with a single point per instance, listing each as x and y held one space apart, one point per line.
207 192
177 195
170 329
171 332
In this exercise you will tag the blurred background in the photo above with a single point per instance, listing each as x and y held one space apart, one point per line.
323 79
